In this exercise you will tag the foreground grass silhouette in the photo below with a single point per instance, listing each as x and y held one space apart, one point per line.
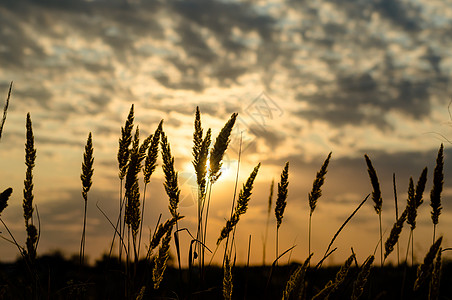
129 275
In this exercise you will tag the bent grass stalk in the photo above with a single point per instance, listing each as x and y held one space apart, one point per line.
331 286
435 194
396 211
394 235
315 194
240 209
5 109
376 197
281 201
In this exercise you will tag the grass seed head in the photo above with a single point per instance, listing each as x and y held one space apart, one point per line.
151 158
361 280
171 186
433 293
197 135
4 196
415 198
395 233
424 271
30 156
160 262
281 200
200 164
124 143
219 148
331 286
87 167
227 279
438 181
242 205
376 193
297 280
317 185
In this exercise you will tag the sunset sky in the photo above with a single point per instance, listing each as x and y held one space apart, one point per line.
306 77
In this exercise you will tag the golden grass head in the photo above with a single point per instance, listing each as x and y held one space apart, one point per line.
200 163
219 148
242 205
160 262
124 143
171 186
151 158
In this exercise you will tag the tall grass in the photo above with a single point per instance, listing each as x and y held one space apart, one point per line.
376 197
86 176
281 201
315 194
138 158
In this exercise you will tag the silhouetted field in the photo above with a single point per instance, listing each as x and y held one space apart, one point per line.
61 278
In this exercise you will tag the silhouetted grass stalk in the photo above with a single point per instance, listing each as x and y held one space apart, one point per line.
376 197
5 109
281 201
413 202
86 176
435 194
315 194
270 197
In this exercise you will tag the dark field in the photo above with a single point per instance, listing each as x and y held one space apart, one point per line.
60 278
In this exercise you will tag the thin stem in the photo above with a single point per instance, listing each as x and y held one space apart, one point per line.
309 235
396 212
142 217
434 232
381 241
233 199
82 243
412 249
277 236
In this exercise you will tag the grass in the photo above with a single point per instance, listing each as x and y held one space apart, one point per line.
129 275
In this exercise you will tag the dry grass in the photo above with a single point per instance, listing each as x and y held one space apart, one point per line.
137 159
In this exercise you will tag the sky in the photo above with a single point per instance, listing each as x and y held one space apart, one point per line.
306 78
